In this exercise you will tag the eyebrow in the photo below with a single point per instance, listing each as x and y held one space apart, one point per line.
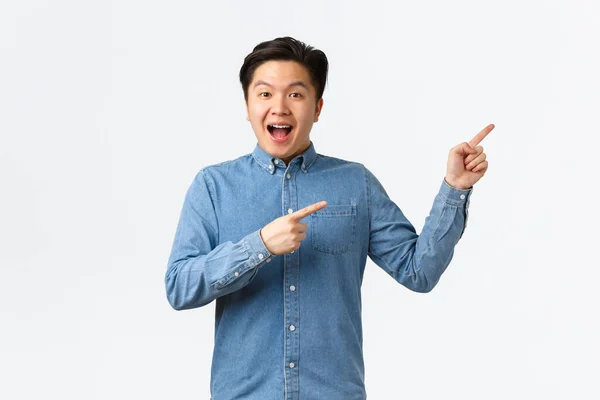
295 83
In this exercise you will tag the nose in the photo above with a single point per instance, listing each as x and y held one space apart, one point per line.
279 106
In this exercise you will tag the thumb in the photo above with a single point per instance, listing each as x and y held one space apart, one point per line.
464 149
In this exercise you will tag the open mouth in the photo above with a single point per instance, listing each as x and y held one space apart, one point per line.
279 132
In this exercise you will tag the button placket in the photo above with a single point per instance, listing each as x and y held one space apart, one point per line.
291 299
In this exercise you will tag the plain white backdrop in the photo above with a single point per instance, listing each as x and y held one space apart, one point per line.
109 109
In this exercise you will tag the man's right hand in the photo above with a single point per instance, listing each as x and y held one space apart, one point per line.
285 234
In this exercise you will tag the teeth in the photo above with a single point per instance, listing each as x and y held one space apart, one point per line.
281 126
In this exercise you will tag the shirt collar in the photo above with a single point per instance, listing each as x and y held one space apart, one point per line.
267 161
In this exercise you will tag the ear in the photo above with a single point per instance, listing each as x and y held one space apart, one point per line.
247 113
318 109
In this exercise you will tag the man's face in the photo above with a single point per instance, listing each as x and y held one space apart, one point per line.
281 108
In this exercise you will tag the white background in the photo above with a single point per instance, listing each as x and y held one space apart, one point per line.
109 109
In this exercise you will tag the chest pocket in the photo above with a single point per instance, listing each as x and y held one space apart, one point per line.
334 228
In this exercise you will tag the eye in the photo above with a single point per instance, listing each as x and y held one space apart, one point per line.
296 95
264 94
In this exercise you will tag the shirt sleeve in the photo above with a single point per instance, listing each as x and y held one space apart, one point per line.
416 261
199 270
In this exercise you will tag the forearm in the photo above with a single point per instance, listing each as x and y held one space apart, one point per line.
441 232
417 261
194 280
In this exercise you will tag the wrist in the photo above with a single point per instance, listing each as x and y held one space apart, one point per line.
455 185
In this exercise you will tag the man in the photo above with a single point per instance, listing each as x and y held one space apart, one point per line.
280 237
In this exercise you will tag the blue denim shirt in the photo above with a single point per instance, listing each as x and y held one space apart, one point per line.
289 326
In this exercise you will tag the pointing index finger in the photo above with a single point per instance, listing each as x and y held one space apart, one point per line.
306 211
481 135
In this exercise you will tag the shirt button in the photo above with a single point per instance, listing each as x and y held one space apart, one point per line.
236 273
292 252
462 196
288 176
292 328
292 365
260 256
290 211
292 288
270 167
276 162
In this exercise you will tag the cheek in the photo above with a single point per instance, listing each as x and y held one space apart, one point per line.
306 114
257 112
306 119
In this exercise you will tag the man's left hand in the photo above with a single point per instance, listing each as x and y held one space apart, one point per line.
467 163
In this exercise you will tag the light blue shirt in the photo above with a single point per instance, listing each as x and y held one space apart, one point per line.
289 326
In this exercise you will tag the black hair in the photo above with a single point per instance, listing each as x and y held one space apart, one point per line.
287 49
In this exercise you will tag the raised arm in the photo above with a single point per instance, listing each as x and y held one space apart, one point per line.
415 261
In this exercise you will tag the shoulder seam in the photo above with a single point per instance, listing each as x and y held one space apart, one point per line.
224 163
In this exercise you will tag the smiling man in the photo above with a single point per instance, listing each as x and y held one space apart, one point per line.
283 101
280 238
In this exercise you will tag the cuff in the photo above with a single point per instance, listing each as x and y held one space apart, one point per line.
455 196
256 253
256 249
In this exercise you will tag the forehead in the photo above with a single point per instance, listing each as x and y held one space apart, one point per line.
281 74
